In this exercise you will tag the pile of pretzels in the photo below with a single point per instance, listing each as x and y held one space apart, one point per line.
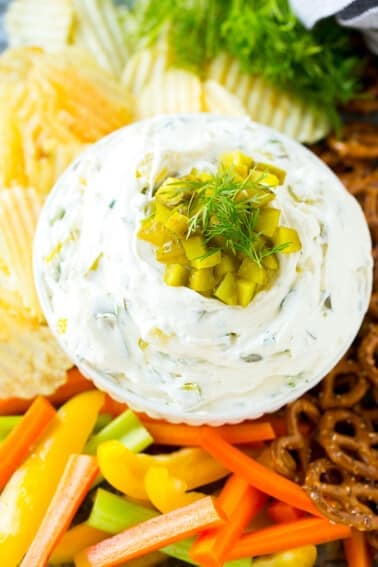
331 440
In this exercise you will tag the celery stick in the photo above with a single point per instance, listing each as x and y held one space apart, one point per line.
113 514
102 421
7 423
125 428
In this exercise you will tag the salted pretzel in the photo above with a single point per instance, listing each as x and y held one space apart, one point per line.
349 442
360 140
367 352
341 497
343 387
290 454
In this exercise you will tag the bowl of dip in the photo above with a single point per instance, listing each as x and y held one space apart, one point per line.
172 352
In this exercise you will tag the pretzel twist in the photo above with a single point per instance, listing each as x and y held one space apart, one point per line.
353 450
343 387
290 454
341 497
367 352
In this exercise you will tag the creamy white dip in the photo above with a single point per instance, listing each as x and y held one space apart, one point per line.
170 351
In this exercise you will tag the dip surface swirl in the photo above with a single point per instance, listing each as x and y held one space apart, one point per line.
168 350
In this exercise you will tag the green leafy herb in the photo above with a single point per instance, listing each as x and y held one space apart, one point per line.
264 36
218 212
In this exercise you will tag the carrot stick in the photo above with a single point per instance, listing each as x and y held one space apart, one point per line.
240 503
173 434
280 512
356 550
257 475
288 536
75 384
73 541
77 478
16 446
151 535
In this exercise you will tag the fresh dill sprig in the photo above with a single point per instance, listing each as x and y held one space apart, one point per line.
227 207
267 39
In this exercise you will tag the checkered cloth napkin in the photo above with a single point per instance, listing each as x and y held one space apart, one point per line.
359 14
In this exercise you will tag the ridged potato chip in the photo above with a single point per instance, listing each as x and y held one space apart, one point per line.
268 105
144 66
218 100
50 108
171 92
31 362
45 23
12 163
19 211
98 29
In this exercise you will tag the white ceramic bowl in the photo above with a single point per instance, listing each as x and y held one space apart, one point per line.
169 351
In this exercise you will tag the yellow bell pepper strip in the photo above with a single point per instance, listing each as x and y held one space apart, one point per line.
75 540
126 470
166 492
26 497
303 556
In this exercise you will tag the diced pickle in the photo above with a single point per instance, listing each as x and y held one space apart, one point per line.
177 223
176 275
171 252
226 290
245 290
277 171
208 261
289 236
194 247
258 196
237 162
264 178
270 262
162 213
202 280
251 272
154 232
227 264
267 221
171 192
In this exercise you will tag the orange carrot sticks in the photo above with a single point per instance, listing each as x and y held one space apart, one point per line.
75 384
77 478
257 475
240 503
356 550
151 535
288 536
173 434
16 446
280 512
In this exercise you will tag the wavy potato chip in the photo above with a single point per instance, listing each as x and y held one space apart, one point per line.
31 362
268 105
19 211
98 29
50 108
44 23
218 100
144 66
12 163
171 92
